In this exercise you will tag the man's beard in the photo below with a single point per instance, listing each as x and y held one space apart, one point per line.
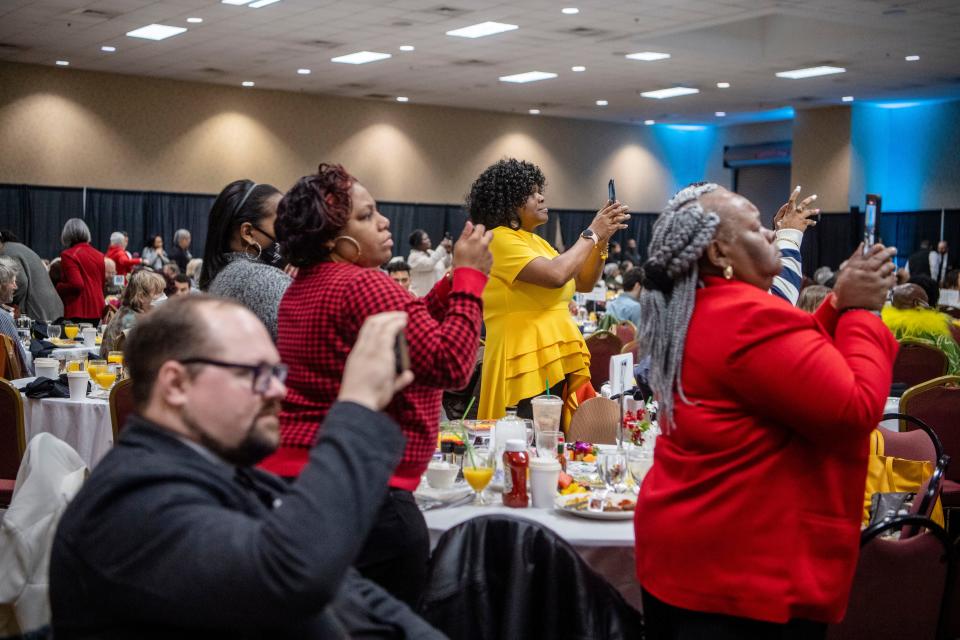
251 450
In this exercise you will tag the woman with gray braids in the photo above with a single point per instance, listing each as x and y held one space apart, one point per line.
747 526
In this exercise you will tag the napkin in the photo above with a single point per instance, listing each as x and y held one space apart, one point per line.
47 388
41 348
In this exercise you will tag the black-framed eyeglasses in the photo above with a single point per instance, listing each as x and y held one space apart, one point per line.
262 373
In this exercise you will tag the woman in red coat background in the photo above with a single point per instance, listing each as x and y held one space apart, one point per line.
748 523
81 286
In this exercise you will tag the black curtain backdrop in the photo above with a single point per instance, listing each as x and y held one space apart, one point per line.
37 214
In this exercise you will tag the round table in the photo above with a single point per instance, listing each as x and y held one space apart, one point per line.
83 424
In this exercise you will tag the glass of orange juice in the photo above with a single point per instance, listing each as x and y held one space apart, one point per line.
106 376
71 331
74 365
478 466
94 367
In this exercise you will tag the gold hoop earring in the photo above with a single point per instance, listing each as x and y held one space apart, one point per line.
355 244
259 251
728 272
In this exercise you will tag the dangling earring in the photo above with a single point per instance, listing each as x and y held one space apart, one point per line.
355 244
728 272
259 251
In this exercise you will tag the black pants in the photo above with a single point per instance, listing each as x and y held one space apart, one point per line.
397 549
666 622
525 409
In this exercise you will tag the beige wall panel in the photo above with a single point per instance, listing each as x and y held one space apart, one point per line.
821 155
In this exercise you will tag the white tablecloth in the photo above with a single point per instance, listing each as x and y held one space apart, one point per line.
78 352
83 424
606 545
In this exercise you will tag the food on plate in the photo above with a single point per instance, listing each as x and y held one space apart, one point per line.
593 502
582 451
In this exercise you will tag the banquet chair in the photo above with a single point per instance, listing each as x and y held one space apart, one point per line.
900 585
919 443
499 576
13 439
631 347
626 331
917 362
937 403
11 367
602 345
595 421
121 406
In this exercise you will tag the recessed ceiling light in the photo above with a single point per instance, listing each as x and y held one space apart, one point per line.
912 58
261 3
578 69
361 57
403 99
534 112
810 72
672 92
63 63
156 32
720 114
407 47
236 2
723 85
529 76
647 56
482 29
303 72
570 11
194 20
649 122
846 99
107 48
247 83
602 103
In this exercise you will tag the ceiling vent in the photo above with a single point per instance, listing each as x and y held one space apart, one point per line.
213 71
585 32
376 96
320 44
356 86
93 14
8 47
447 12
473 62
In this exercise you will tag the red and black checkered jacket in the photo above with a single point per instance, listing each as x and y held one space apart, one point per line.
319 319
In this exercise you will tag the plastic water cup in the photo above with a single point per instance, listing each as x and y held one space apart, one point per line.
89 336
546 412
544 473
77 380
47 368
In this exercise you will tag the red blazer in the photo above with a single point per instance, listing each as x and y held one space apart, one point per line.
81 286
124 262
752 507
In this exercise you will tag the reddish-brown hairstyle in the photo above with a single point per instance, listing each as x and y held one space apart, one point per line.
314 211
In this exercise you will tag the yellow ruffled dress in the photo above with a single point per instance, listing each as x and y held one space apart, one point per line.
531 336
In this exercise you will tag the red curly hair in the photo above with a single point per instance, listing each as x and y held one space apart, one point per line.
314 211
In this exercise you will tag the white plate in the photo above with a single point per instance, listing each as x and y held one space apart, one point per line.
561 505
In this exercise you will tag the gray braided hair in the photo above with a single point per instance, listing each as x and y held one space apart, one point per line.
680 236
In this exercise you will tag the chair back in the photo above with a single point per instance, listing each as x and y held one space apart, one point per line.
631 347
919 443
11 366
13 439
937 403
595 421
899 585
917 362
626 331
927 495
602 345
121 405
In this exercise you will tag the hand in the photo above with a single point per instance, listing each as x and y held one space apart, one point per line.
473 248
609 220
865 280
447 244
369 376
796 216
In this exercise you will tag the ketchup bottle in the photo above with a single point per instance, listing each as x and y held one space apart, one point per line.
515 463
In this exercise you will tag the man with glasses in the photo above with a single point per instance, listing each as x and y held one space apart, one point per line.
175 534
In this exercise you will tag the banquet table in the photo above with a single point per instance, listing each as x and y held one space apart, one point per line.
606 545
83 424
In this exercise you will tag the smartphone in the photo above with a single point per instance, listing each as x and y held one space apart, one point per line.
401 353
611 191
871 221
118 281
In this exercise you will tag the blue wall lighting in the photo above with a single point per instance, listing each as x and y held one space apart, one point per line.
685 150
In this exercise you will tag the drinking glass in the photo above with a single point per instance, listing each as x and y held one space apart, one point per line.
612 466
74 364
106 376
116 357
71 331
478 467
547 443
639 462
53 331
546 412
94 368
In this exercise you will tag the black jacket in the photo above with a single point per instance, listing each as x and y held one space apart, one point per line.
162 541
180 256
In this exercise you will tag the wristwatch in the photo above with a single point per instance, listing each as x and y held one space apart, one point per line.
590 235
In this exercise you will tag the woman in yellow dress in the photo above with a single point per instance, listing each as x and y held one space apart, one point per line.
531 337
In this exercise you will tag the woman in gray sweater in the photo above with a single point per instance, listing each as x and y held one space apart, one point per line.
241 259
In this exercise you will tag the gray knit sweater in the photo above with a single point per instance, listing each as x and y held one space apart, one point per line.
256 285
